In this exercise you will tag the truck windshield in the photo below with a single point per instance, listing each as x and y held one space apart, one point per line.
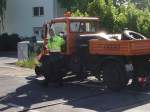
59 27
83 27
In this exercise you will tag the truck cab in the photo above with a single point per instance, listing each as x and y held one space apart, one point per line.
69 28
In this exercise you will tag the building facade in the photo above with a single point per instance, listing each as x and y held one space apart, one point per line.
26 17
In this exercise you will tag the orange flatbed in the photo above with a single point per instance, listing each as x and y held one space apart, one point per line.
120 47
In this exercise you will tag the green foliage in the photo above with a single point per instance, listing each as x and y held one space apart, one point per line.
115 15
132 14
116 18
82 5
77 13
143 23
2 11
73 5
120 22
142 4
105 11
9 42
68 4
31 62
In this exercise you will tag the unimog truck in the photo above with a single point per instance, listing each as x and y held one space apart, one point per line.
115 59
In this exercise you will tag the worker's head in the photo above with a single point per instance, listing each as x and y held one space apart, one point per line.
51 32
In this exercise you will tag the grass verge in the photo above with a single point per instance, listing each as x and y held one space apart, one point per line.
28 63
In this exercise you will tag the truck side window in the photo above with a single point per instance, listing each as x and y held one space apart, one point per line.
74 26
83 27
59 28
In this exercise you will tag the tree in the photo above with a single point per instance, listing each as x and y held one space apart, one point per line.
2 11
142 4
78 13
119 2
115 15
106 11
73 5
115 18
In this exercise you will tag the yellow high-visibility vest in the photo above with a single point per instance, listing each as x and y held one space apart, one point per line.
55 43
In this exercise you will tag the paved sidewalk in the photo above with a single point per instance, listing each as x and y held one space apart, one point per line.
8 67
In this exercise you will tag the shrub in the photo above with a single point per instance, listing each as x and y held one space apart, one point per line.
3 41
28 63
9 42
31 62
14 39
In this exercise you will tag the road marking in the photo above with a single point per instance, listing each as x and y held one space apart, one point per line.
21 108
6 97
16 106
33 111
132 106
62 102
88 84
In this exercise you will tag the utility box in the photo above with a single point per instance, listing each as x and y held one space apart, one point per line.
23 50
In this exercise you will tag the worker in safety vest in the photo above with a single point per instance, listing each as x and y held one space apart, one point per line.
55 42
54 61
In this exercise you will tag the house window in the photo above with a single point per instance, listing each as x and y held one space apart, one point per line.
38 11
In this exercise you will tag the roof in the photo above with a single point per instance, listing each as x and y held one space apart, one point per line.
76 18
94 18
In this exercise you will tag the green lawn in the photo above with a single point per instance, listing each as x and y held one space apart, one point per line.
28 63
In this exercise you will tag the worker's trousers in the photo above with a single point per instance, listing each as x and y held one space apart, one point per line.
52 64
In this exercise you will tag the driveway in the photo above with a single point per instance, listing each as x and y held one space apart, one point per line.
8 67
21 92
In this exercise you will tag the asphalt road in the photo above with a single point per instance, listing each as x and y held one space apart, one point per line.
23 93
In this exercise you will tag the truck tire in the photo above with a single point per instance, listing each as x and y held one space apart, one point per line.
114 76
98 73
77 67
51 73
131 35
39 70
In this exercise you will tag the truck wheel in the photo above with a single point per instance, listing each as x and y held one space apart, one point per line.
82 74
99 74
51 73
131 35
37 70
114 76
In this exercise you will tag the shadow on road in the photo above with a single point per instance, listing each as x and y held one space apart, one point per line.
8 54
33 96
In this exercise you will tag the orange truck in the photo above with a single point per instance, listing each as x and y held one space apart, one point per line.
116 59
